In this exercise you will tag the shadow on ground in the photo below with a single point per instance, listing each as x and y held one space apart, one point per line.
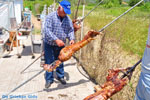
60 86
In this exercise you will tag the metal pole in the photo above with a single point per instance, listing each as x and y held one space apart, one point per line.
31 63
89 12
92 10
131 69
120 16
25 82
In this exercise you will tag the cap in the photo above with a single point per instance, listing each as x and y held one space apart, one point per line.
66 5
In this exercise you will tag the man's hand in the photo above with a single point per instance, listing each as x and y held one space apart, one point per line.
72 42
76 27
60 43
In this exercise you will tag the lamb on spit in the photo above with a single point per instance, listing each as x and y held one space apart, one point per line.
112 85
67 52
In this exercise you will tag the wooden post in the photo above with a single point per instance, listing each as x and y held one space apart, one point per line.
82 28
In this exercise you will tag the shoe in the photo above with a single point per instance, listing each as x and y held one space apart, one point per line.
62 80
47 85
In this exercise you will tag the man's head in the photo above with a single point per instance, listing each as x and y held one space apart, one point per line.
64 8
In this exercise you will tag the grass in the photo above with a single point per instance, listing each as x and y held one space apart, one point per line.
131 30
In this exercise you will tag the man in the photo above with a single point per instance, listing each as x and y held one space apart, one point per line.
143 87
58 27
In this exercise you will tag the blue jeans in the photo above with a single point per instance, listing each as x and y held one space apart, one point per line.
51 54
